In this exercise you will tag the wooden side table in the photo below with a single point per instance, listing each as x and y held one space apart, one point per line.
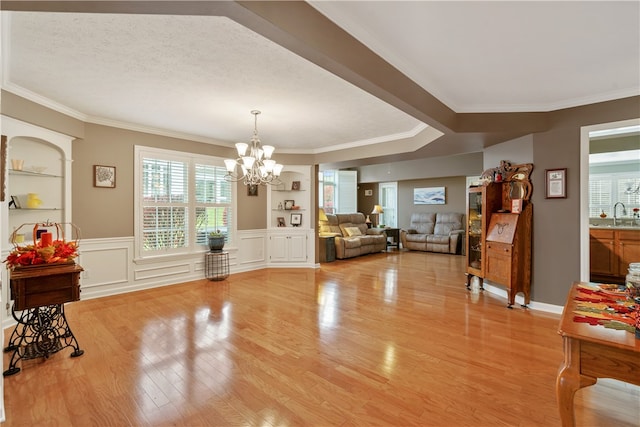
327 249
216 265
394 233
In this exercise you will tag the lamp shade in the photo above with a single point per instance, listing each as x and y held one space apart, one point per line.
377 209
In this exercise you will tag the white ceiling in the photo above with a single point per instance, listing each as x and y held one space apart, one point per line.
199 76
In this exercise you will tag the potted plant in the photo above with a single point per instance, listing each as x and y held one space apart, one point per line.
216 241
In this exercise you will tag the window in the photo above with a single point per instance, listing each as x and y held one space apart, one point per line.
338 191
389 201
606 189
180 198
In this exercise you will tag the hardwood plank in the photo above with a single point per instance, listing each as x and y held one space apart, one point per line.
385 339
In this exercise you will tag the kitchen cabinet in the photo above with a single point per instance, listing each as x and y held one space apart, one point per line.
611 252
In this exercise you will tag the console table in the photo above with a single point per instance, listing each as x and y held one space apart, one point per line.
592 352
39 294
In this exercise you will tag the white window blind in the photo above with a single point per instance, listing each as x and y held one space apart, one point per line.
213 202
180 199
165 200
606 189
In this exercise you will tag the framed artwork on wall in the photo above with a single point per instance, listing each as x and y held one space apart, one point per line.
104 176
556 183
429 196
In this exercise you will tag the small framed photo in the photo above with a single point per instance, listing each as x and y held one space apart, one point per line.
288 204
516 206
295 185
296 219
556 183
15 202
281 222
104 176
252 190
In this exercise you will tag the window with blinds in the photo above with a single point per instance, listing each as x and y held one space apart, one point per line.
181 198
212 202
606 189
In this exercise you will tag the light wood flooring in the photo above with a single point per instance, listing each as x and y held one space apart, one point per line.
385 339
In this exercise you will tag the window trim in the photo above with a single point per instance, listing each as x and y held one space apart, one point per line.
191 159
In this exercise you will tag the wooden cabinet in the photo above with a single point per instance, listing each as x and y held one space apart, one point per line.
611 252
628 249
498 241
602 255
508 253
481 201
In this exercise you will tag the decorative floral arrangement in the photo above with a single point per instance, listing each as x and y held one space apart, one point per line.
59 251
44 250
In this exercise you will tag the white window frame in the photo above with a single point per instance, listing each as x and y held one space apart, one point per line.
191 159
389 217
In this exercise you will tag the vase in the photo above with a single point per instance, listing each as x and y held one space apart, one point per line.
216 244
33 201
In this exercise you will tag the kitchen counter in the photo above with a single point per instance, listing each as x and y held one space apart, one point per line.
617 227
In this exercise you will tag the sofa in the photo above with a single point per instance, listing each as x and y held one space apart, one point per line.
434 232
352 236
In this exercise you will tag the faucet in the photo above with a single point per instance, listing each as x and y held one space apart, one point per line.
615 217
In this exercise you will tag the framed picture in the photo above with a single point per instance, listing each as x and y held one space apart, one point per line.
429 196
296 219
252 190
556 183
104 176
295 185
288 204
15 202
281 222
516 205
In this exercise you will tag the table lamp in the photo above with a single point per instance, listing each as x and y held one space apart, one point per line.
377 209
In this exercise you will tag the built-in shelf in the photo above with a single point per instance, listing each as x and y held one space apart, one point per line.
31 173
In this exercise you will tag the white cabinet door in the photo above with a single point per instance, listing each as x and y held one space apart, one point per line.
279 248
298 248
288 248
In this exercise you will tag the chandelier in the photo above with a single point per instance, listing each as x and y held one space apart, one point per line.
256 165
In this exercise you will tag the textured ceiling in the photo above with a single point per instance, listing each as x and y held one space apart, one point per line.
199 76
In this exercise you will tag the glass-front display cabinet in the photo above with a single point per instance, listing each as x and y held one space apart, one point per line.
474 240
481 201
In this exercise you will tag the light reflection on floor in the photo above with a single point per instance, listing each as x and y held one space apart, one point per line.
165 351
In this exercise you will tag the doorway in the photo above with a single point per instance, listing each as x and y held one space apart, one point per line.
585 138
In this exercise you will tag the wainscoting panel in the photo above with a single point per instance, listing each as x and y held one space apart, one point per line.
252 249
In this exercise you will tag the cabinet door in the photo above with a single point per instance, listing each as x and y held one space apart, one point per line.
602 257
298 248
498 263
628 250
279 248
